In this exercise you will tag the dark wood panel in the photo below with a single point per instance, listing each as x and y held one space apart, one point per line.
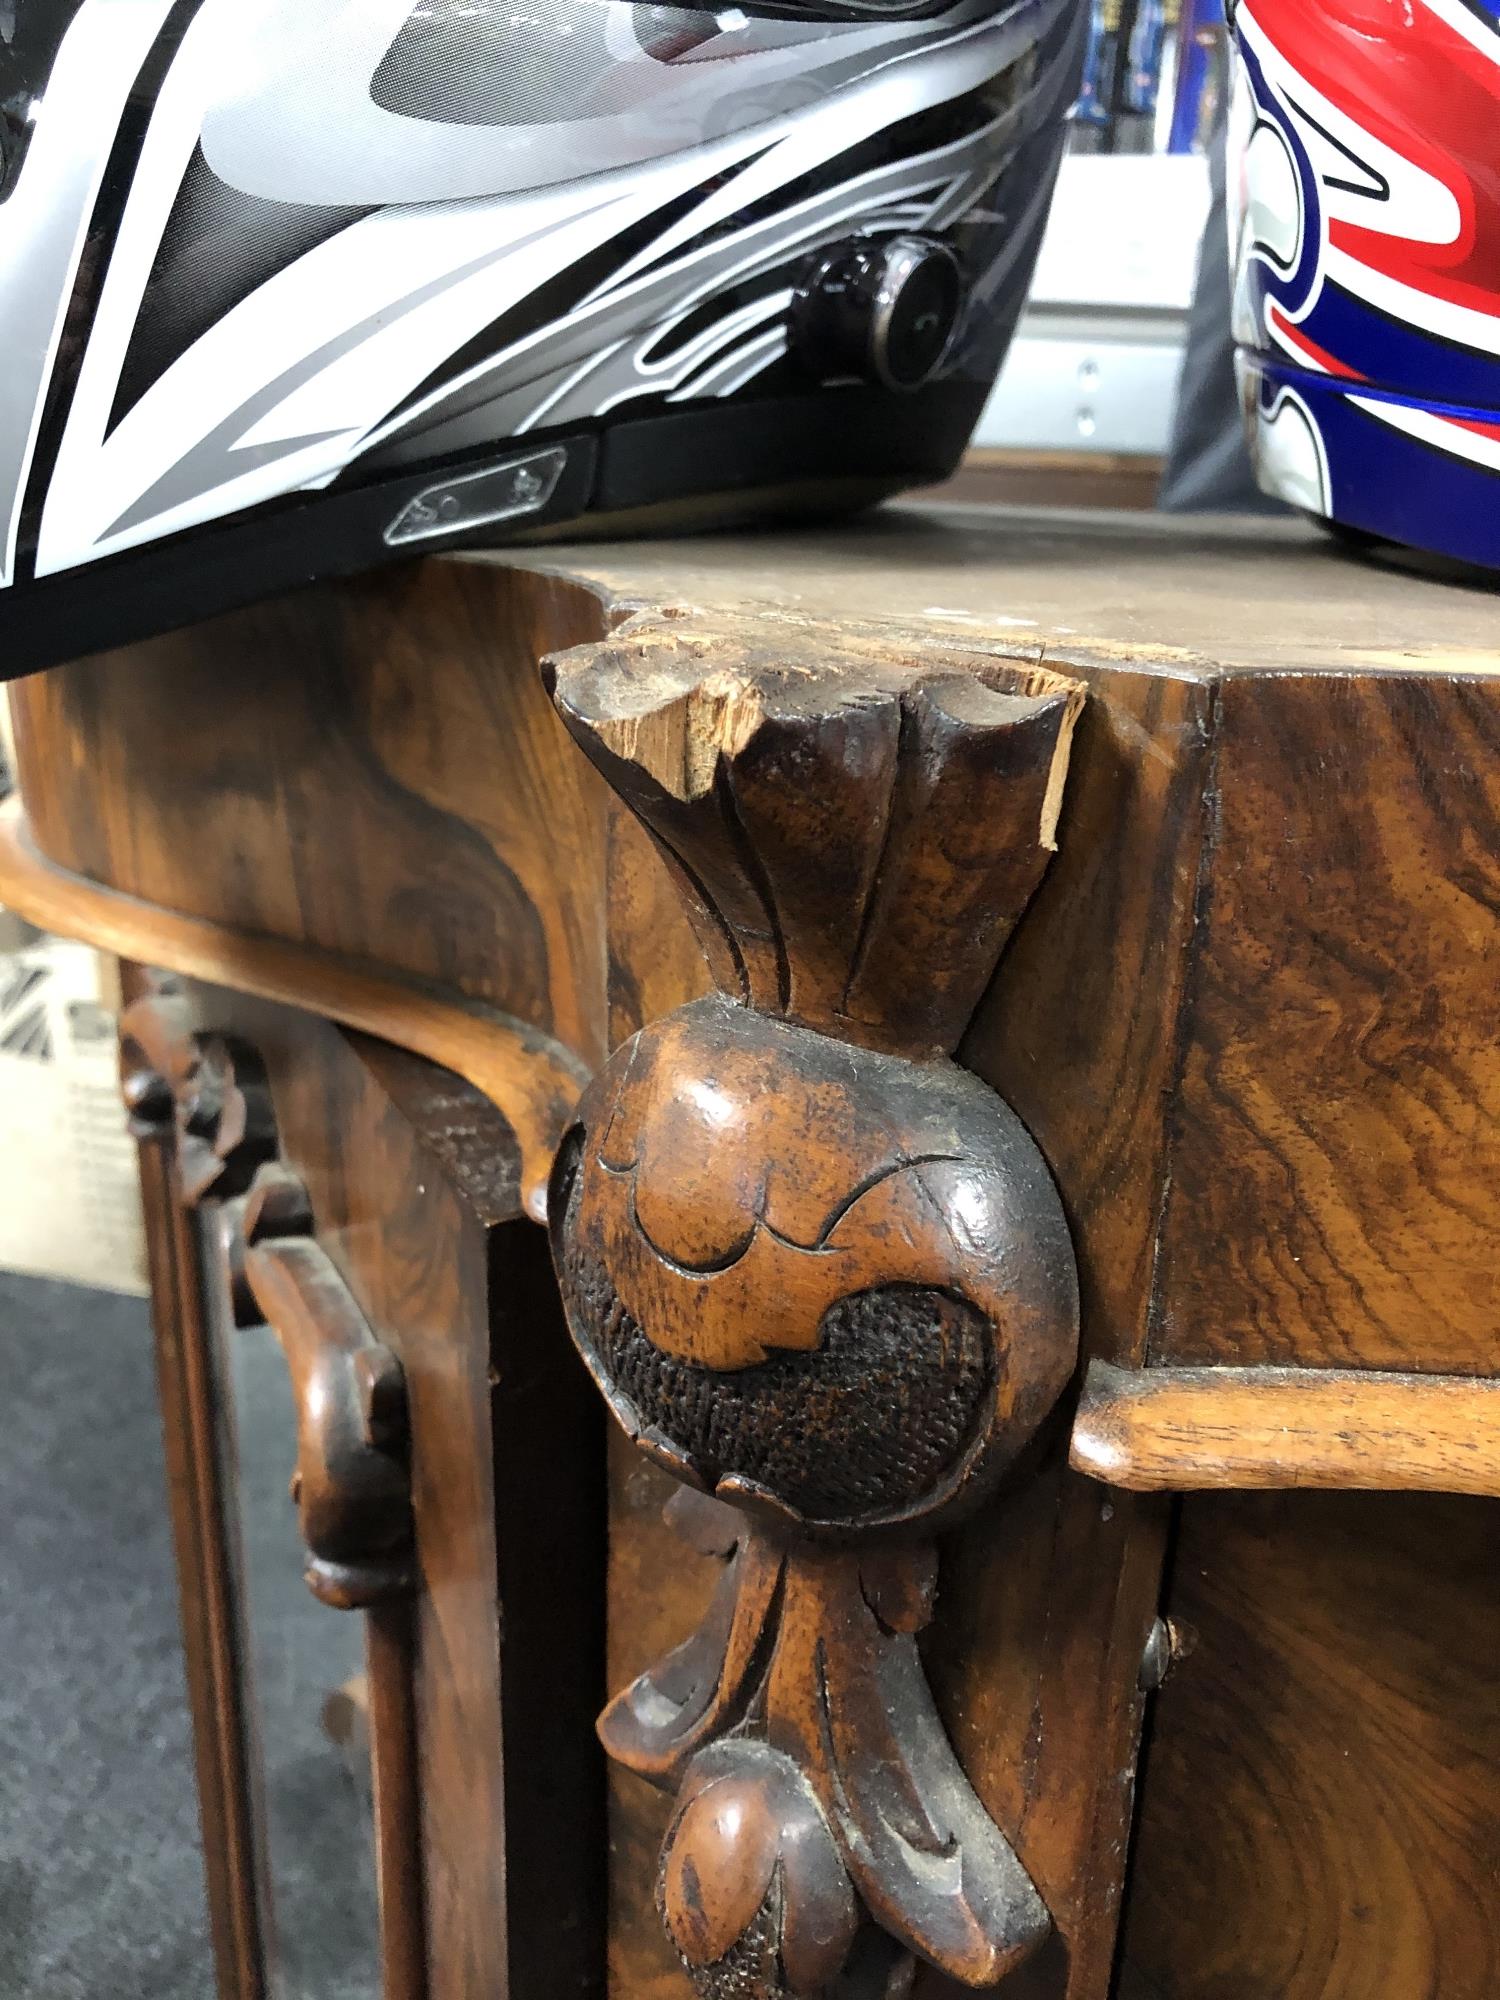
1321 1817
1044 1610
1333 1185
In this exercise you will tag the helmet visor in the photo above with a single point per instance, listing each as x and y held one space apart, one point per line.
31 33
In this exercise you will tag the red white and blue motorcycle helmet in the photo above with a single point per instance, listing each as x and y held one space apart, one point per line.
289 286
1364 189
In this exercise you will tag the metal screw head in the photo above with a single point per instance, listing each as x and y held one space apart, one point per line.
1167 1645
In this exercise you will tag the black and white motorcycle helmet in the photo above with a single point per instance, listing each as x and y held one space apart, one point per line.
289 286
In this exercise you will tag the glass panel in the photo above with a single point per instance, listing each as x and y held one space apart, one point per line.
1155 77
303 1675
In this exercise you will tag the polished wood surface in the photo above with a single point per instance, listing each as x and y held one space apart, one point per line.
1180 1430
1321 1814
375 771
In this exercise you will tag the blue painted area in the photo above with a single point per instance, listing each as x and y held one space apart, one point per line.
1392 485
1397 356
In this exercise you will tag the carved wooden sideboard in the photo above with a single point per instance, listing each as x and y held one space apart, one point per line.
983 1030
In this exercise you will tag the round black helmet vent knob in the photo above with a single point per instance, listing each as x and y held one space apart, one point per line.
881 310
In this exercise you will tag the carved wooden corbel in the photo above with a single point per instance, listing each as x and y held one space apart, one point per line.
820 1272
205 1099
351 1486
208 1095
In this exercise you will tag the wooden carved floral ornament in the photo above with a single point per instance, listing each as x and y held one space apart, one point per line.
821 1273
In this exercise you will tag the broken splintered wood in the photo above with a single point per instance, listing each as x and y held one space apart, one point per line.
856 822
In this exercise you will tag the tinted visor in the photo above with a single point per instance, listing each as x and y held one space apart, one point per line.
31 33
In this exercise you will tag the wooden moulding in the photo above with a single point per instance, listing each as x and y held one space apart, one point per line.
533 1076
1180 1430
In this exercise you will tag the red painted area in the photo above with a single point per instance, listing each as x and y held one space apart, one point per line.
1403 75
1478 426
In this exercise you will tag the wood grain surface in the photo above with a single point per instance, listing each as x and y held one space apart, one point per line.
1321 1816
1182 1430
1341 1048
371 769
1081 1029
1145 592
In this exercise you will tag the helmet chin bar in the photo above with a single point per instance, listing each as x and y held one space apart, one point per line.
827 451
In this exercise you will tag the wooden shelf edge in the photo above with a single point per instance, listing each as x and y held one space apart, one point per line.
1186 1430
533 1079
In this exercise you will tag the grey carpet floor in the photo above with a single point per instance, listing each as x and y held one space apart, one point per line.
101 1878
101 1884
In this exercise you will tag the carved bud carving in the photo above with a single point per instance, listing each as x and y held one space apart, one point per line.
820 1272
207 1091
